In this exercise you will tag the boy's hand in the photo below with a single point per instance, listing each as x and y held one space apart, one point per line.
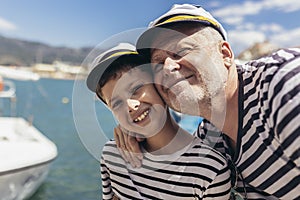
128 145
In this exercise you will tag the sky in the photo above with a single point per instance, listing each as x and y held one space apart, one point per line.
86 23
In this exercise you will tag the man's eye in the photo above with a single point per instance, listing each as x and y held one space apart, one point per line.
183 51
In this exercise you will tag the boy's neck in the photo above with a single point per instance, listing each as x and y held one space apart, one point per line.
169 140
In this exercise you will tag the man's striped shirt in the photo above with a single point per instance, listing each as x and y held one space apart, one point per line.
267 154
194 172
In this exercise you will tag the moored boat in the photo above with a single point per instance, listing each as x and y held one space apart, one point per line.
26 154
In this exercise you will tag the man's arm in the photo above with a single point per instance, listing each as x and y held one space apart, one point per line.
284 97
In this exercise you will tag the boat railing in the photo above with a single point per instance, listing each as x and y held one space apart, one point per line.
8 92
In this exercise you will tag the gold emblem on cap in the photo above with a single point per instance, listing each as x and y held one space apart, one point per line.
188 17
121 53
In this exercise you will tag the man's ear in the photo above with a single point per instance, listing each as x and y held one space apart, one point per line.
228 56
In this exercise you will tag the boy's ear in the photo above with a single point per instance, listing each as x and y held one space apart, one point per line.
227 53
98 97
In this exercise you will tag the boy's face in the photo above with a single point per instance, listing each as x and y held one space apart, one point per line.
135 102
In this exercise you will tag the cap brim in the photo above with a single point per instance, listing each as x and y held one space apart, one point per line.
97 72
144 42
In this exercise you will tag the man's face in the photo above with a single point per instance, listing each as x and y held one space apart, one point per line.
189 70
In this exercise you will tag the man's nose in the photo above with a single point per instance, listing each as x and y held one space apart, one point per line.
133 104
170 66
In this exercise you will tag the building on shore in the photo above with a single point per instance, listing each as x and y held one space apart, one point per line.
59 70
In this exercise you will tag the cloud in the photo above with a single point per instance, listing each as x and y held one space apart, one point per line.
241 40
286 6
244 34
272 27
238 10
6 25
213 4
287 38
233 20
228 13
246 26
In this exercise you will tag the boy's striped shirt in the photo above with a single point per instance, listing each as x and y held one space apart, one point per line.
195 172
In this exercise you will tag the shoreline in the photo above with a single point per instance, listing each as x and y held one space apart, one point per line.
59 71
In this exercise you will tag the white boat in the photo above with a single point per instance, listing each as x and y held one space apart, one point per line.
25 154
15 73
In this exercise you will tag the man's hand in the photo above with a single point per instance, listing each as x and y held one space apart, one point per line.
128 145
115 197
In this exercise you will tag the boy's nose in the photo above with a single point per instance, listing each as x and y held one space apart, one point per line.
133 104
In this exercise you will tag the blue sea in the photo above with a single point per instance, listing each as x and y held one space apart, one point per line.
74 175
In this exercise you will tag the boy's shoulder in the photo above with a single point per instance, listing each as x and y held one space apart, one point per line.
110 146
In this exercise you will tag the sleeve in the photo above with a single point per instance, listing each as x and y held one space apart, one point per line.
107 192
220 187
284 119
208 133
214 138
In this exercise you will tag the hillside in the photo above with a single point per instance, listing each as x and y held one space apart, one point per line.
25 53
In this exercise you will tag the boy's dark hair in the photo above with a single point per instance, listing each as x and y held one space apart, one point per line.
122 64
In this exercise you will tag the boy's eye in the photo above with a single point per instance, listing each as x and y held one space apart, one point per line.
136 88
116 104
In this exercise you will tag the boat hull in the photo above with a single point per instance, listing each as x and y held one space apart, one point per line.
19 184
25 158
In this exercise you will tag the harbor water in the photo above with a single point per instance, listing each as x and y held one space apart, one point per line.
75 172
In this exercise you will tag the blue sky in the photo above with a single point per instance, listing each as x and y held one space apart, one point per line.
87 23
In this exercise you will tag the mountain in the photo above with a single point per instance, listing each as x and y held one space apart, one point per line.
257 50
25 53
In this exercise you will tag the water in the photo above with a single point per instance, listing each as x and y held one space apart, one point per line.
75 172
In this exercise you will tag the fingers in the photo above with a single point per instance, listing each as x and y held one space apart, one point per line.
128 147
133 143
115 197
139 138
118 136
133 148
120 141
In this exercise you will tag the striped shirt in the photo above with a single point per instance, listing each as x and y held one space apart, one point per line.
267 155
194 172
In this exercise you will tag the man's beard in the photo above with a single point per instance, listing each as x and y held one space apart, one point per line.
198 101
188 99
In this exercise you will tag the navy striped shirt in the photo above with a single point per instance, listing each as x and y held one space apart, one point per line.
195 172
267 155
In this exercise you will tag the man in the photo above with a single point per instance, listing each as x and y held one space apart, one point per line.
256 105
